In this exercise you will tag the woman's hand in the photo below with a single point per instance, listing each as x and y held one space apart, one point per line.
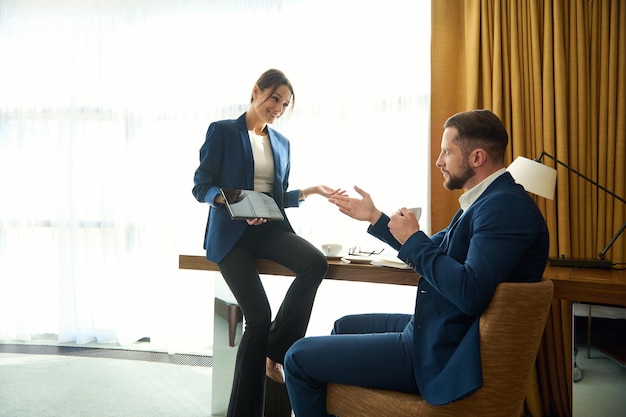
359 209
256 222
323 190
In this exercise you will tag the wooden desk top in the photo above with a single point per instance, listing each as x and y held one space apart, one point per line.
336 270
606 286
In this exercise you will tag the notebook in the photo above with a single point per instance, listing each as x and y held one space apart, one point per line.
249 204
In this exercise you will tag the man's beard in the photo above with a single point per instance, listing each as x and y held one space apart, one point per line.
458 182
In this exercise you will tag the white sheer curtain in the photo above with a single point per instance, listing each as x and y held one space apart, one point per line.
105 104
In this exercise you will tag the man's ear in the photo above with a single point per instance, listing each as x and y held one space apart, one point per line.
478 157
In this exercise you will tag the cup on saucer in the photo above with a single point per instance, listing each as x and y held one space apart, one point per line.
331 249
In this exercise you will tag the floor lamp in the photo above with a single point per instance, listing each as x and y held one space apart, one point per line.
541 180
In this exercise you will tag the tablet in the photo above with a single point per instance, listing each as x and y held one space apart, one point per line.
249 204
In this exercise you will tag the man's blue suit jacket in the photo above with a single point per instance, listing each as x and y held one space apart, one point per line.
226 161
501 237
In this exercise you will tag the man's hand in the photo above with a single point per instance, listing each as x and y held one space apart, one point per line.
357 208
403 224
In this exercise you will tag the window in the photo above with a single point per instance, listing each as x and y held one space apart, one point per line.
105 106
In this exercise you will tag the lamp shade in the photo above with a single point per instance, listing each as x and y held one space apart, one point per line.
534 176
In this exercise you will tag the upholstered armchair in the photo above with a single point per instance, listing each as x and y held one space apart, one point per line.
511 329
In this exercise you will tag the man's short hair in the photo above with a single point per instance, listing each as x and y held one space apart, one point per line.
480 129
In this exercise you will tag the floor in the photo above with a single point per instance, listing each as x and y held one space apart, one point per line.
602 391
110 387
48 384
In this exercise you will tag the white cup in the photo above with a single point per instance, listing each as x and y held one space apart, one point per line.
417 211
331 249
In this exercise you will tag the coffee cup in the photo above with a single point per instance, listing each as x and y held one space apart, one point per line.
417 211
331 249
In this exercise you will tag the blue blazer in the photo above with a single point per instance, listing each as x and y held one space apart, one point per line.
501 237
226 161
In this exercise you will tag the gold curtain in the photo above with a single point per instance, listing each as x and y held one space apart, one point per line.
555 73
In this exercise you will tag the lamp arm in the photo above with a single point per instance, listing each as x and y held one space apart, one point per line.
613 239
543 153
621 229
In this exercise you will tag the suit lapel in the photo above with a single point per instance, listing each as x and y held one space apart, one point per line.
247 151
453 224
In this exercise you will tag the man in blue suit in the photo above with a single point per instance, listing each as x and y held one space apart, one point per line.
498 235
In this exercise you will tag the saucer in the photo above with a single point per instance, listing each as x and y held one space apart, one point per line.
358 259
334 257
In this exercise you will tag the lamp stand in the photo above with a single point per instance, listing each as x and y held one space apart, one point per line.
581 263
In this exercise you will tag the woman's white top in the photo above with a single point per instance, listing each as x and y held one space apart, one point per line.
263 162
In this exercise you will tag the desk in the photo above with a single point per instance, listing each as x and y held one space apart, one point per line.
336 270
604 286
570 285
590 285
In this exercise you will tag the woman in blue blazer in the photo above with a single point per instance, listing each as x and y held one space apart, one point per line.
247 154
498 235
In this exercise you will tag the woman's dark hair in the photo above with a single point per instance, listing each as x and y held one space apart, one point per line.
480 129
272 79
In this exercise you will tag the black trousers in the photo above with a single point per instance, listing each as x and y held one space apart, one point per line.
261 336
